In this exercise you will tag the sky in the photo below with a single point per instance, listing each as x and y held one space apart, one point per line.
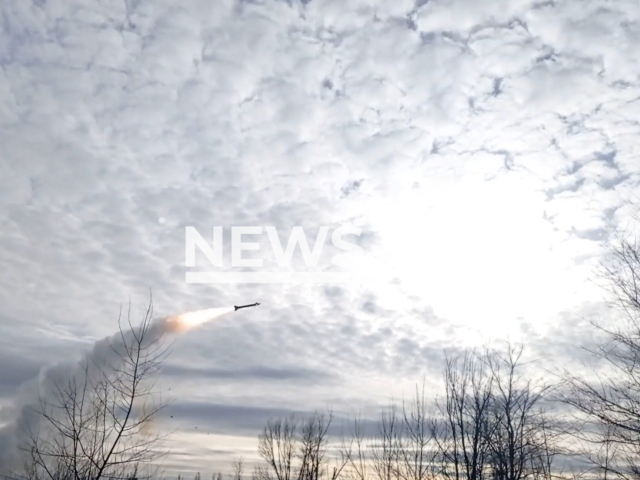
487 151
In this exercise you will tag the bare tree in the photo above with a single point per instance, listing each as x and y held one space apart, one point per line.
277 447
466 413
621 275
294 451
313 447
608 398
493 423
403 446
356 452
96 421
375 454
385 449
520 441
418 455
238 469
609 403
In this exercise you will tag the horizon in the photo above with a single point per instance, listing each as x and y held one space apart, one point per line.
478 158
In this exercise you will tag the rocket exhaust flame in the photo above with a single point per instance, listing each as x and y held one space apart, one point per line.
189 320
104 351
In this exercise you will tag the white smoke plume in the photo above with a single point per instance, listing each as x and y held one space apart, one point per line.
24 412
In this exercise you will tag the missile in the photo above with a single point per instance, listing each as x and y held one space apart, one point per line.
245 306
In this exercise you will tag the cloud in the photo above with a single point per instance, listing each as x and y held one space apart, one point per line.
488 151
252 373
15 371
224 418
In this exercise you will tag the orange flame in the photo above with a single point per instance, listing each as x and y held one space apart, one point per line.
189 320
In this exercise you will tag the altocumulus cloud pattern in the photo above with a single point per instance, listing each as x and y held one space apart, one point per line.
488 150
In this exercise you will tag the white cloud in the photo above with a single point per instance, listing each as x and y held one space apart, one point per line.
487 150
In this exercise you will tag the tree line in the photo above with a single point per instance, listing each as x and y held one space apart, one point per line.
494 420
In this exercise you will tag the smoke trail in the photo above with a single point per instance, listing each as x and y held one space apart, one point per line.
24 412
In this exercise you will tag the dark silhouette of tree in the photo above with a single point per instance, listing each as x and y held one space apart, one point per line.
295 450
97 422
607 398
464 439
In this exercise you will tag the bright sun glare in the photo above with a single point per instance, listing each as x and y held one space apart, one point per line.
481 254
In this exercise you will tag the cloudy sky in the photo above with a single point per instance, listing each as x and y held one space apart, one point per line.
487 151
